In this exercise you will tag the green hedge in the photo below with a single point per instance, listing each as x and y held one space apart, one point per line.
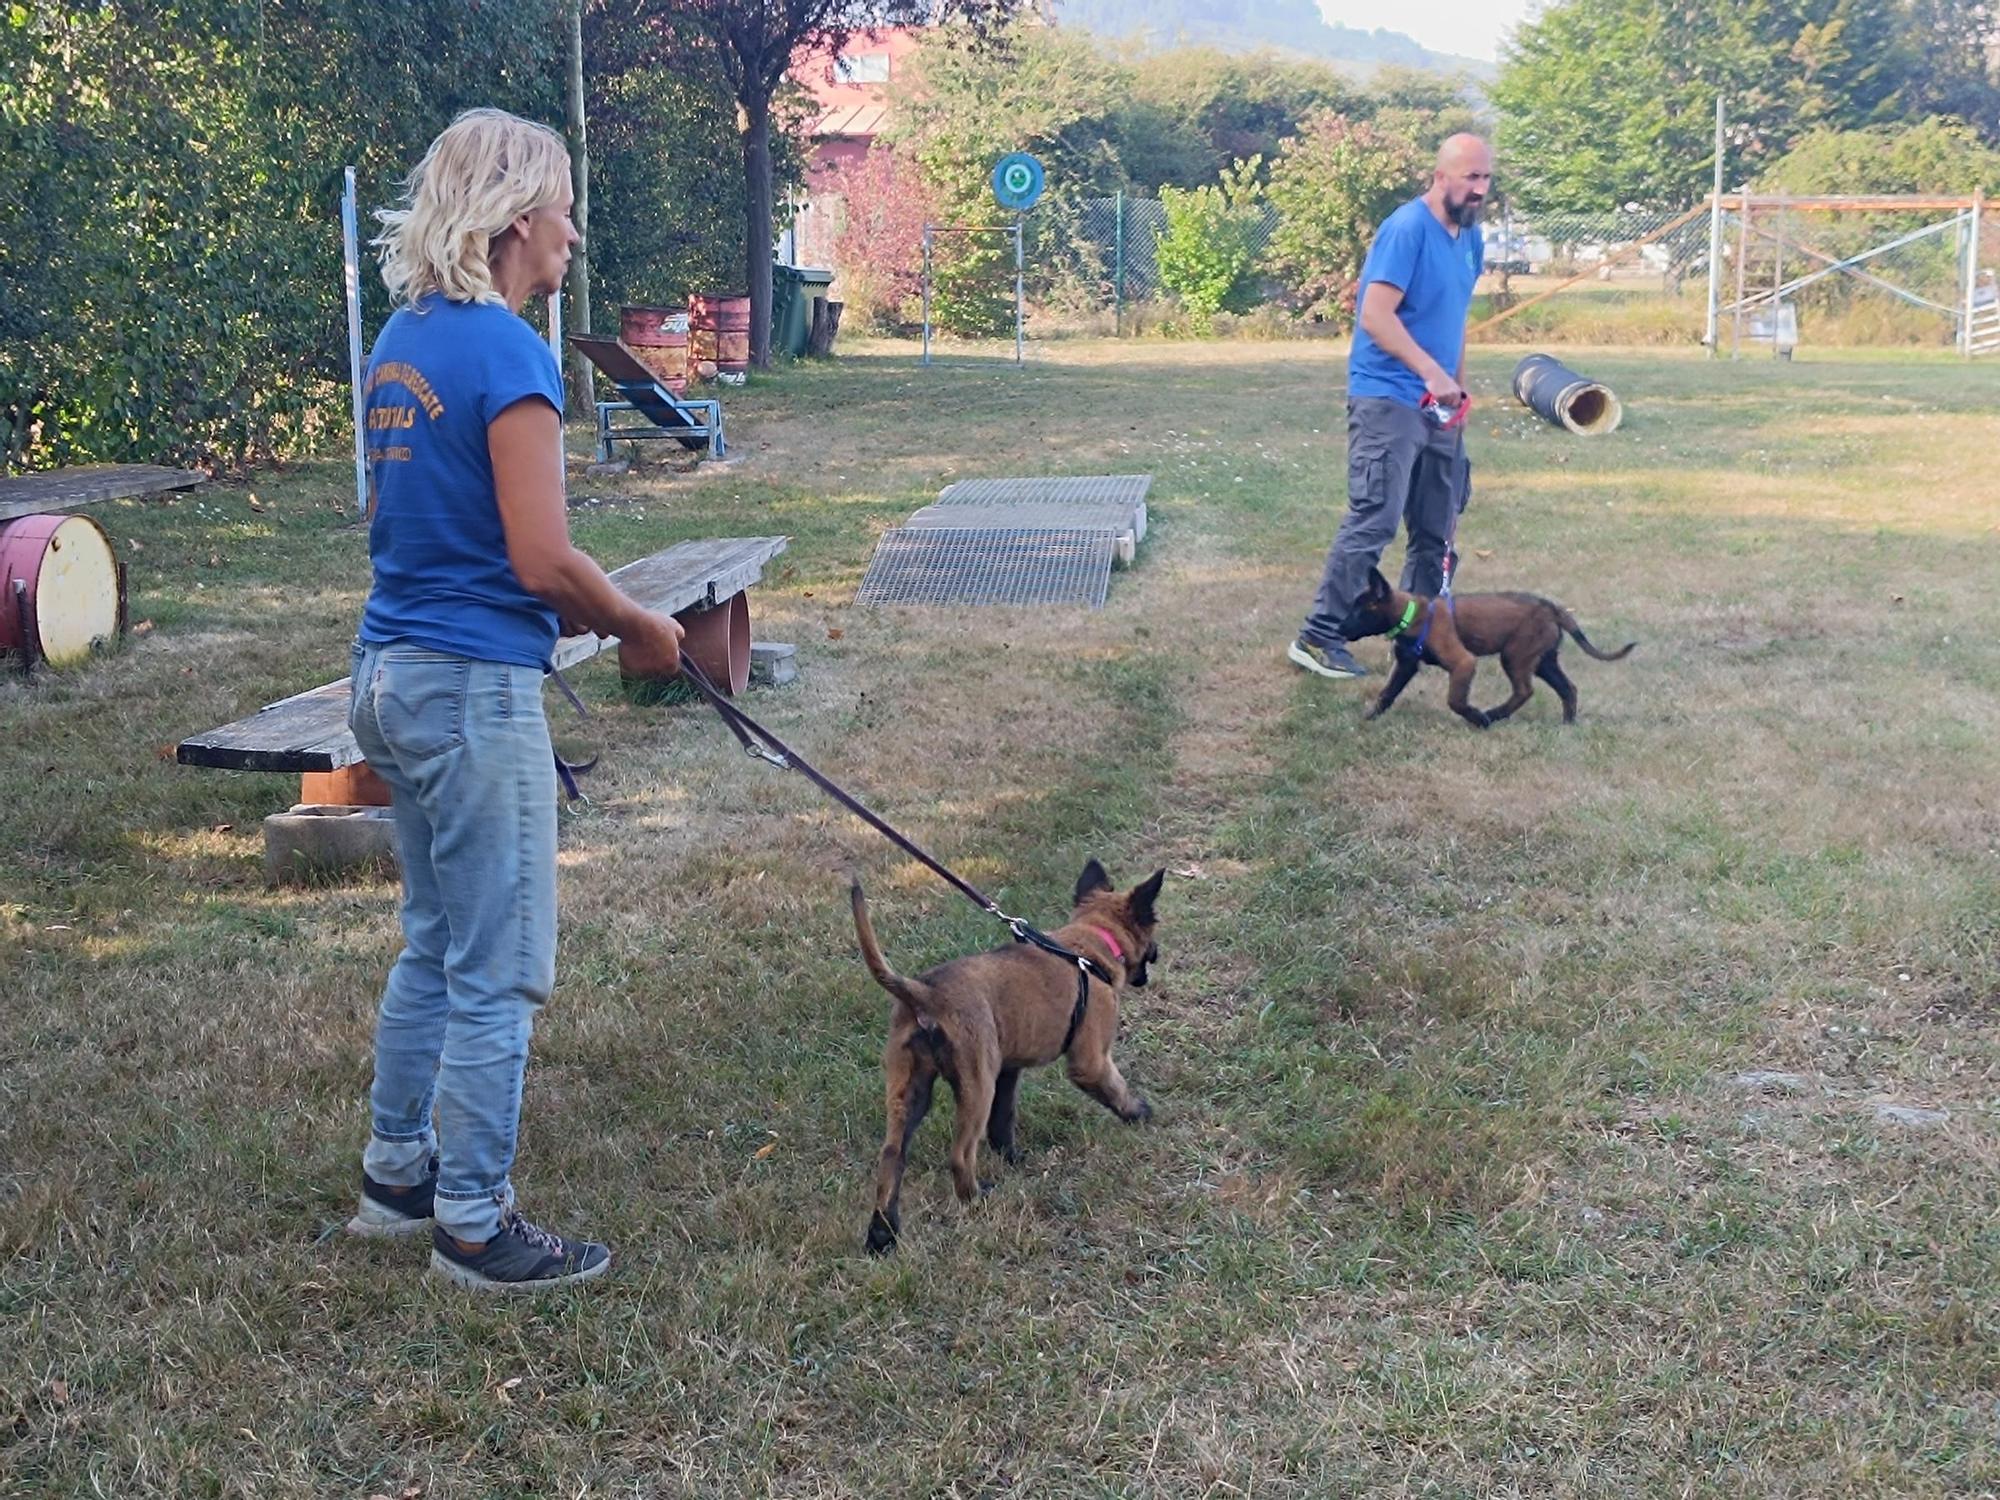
170 286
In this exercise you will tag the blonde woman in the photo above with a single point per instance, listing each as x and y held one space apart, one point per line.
473 569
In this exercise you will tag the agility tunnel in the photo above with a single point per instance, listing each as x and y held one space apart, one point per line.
1558 394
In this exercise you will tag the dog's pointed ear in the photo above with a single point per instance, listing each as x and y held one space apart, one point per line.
1144 897
1093 878
1378 587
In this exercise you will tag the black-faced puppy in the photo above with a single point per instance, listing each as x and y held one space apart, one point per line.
1524 630
978 1021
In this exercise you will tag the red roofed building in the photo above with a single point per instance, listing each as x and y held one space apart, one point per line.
852 90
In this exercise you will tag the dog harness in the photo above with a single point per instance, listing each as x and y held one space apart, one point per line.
1087 969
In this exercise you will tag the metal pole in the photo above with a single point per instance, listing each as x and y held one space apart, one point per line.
927 294
1777 283
579 264
1118 274
351 266
1715 240
1742 268
555 327
1974 215
1019 300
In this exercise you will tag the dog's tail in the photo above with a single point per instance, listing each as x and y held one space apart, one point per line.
1568 622
913 994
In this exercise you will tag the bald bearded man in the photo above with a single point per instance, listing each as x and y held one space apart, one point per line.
1409 341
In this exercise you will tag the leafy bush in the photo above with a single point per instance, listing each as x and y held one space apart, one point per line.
878 247
1208 252
1334 185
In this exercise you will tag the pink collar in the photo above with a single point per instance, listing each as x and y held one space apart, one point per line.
1105 933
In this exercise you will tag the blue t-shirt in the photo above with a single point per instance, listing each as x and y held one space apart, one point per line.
440 372
1436 273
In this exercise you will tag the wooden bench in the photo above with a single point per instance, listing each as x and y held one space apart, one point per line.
702 583
65 489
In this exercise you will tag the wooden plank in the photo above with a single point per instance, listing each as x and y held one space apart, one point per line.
64 489
305 732
308 731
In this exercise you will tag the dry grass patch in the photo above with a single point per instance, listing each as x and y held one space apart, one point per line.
1455 1187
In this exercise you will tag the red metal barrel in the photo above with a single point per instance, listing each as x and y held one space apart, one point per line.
658 338
701 336
61 591
732 334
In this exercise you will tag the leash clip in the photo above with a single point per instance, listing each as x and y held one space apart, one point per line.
758 752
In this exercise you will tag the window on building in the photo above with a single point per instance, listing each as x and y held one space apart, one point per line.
862 67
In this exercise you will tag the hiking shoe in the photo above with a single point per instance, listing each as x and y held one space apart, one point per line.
1327 661
388 1213
520 1257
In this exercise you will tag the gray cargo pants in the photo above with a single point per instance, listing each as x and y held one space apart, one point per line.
1399 469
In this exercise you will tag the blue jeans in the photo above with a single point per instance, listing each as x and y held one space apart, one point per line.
464 747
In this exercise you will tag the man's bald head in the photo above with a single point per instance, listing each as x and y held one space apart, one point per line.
1462 178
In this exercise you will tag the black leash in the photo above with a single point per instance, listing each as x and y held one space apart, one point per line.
569 771
750 733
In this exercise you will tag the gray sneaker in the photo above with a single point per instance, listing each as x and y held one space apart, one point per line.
1327 661
394 1213
521 1257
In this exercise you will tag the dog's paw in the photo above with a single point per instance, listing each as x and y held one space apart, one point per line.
881 1234
986 1186
1479 718
1140 1114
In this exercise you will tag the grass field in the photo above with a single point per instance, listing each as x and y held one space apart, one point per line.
1551 1111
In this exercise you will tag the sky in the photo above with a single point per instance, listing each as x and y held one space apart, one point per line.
1471 28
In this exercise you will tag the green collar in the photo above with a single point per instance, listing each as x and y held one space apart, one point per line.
1409 614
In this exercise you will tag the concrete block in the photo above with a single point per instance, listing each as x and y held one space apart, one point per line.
319 841
773 663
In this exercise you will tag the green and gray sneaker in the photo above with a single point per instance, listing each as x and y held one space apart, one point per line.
1327 661
521 1257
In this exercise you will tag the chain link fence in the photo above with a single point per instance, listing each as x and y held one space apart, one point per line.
1846 270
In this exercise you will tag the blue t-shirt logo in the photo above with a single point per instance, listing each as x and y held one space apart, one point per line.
439 374
1436 272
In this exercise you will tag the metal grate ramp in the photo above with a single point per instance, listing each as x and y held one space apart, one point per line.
1094 493
1027 516
993 565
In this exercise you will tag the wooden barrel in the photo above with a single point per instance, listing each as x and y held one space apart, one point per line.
60 588
701 337
732 335
658 338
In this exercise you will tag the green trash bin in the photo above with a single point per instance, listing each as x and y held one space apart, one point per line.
792 291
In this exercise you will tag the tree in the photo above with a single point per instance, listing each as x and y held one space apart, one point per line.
661 117
756 43
1193 111
1334 185
1933 156
1605 102
1950 64
965 104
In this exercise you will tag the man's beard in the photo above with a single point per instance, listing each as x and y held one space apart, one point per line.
1466 214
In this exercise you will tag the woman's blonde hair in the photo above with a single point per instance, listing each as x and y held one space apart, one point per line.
483 171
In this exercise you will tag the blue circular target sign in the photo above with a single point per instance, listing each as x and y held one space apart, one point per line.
1017 181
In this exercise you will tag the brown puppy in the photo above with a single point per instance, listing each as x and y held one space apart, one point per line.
978 1021
1524 630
